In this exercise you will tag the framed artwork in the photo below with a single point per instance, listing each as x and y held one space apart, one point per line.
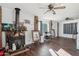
36 35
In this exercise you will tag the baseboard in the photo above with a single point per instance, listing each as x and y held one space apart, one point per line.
64 37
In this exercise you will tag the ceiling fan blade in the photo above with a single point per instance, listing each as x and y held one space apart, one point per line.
60 7
46 11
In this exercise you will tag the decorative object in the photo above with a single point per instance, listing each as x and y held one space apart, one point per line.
42 39
27 21
13 46
36 36
69 18
22 28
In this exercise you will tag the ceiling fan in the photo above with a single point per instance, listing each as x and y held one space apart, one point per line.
53 6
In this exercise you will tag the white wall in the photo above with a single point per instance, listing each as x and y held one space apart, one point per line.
77 41
28 37
7 15
25 16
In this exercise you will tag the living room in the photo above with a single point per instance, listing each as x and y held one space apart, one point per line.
49 27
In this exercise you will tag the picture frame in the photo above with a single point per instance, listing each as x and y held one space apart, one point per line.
36 36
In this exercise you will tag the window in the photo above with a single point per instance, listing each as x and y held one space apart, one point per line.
70 28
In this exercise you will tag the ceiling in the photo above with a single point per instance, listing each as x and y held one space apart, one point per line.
31 9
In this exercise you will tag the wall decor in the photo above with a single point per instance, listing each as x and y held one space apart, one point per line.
27 21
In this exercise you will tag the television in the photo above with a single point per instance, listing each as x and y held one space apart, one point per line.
6 26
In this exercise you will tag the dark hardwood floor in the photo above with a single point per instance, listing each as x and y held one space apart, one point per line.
60 45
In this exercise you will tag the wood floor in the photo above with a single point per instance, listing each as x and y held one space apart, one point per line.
60 45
